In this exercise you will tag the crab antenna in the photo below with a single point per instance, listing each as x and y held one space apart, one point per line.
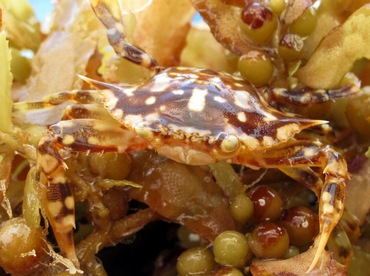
109 13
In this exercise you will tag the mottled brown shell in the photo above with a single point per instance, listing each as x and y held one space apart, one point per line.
209 109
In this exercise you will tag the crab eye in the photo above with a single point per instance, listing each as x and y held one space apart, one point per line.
229 143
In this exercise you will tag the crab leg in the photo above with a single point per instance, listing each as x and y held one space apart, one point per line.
77 96
301 155
306 176
88 135
87 111
109 13
308 96
50 109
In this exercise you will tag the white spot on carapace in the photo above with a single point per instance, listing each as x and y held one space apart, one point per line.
286 132
162 108
110 99
151 100
197 101
219 99
236 78
160 83
268 117
181 68
215 80
152 117
129 91
268 141
132 119
242 99
192 76
178 92
117 113
242 117
251 143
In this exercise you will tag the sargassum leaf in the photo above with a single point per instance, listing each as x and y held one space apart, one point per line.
336 53
6 78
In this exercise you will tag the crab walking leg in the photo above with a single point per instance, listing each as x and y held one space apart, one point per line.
307 96
63 105
306 176
78 135
56 196
300 155
77 96
88 111
109 13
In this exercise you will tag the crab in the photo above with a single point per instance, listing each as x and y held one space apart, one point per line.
193 116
